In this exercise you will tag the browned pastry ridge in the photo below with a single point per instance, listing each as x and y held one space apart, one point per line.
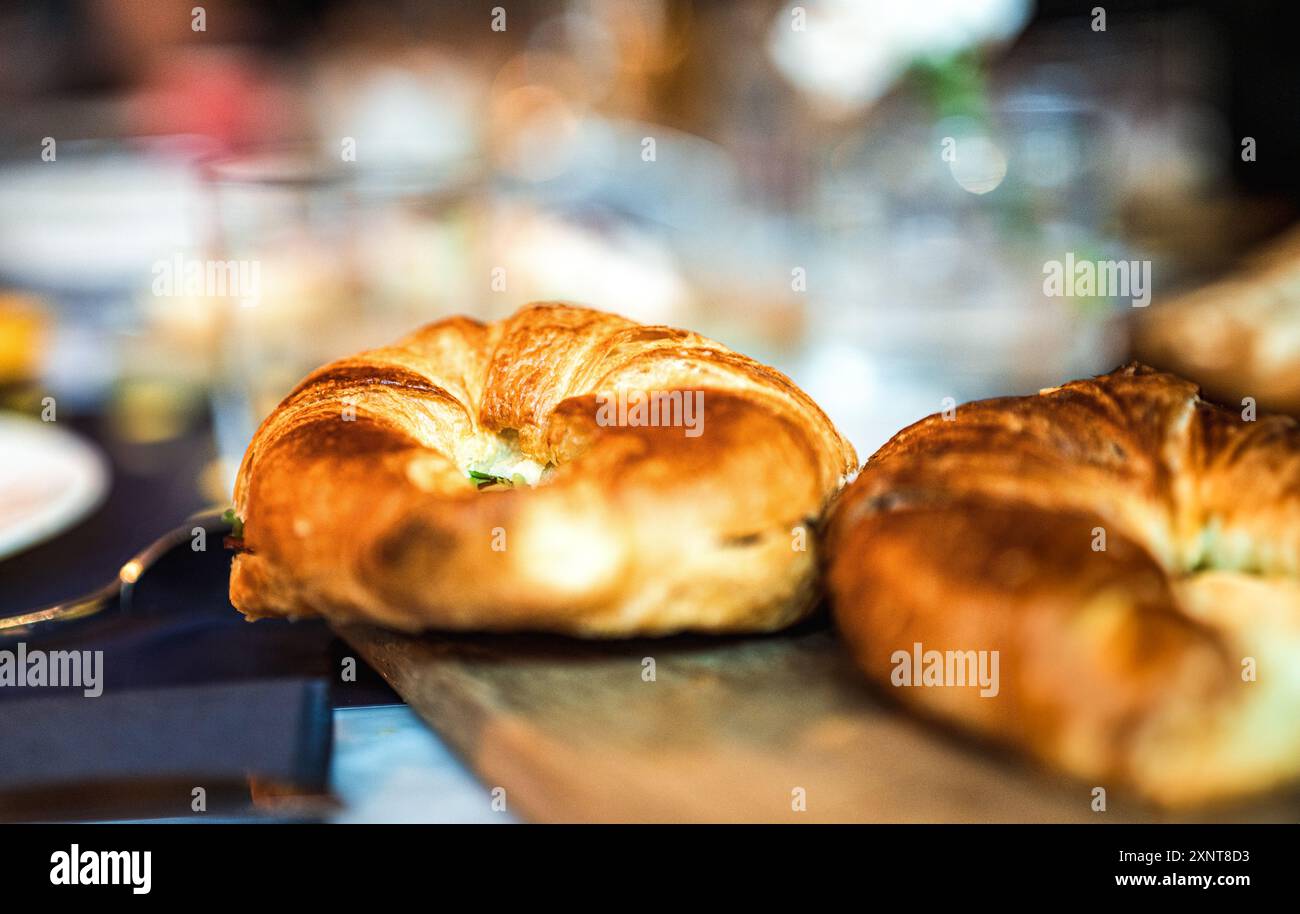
357 505
1129 666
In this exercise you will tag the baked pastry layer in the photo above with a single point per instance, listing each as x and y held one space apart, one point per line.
357 502
1238 336
1125 665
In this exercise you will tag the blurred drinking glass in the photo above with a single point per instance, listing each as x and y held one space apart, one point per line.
312 261
932 238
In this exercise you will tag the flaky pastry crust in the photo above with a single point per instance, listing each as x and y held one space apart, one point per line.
1238 336
357 506
1165 661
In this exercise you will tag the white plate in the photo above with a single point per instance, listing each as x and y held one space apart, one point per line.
49 480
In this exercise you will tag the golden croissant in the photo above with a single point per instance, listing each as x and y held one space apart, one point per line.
1131 553
564 470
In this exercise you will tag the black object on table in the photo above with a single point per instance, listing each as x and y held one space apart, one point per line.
192 695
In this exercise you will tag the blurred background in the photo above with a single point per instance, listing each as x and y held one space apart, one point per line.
861 193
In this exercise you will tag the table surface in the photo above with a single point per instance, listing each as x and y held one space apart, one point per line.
389 767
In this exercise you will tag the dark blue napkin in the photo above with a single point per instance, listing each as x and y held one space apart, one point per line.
164 752
190 695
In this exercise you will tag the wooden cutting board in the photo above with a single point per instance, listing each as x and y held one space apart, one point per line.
728 730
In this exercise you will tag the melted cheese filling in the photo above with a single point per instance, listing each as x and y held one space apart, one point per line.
499 455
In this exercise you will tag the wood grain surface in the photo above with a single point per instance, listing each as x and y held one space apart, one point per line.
729 730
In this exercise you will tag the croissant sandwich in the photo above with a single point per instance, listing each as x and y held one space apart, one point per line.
564 470
1129 553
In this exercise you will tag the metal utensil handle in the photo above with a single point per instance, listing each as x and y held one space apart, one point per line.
118 590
